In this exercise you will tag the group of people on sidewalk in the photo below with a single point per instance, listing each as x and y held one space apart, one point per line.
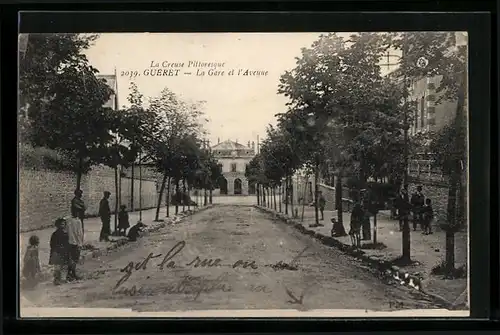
419 206
67 240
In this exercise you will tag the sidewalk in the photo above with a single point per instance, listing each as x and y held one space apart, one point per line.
426 250
91 233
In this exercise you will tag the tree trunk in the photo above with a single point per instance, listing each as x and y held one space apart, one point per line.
455 180
168 196
117 199
286 195
160 196
177 196
280 187
375 228
79 173
316 186
339 225
291 195
205 197
264 196
304 199
274 196
132 188
189 197
210 199
258 194
140 190
183 195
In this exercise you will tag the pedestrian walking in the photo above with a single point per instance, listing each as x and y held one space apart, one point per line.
417 203
403 205
78 207
59 251
322 204
123 222
31 263
105 215
75 243
428 217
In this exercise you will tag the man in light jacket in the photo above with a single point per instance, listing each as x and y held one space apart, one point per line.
75 236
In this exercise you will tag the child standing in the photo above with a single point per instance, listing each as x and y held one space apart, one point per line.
31 264
428 216
123 223
59 251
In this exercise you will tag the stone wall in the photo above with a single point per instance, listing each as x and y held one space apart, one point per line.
46 195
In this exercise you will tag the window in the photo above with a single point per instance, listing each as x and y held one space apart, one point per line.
233 167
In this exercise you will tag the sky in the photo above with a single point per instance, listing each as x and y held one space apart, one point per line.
239 108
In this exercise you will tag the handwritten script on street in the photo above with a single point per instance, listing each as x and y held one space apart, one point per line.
189 284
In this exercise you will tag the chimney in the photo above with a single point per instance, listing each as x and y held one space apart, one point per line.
218 140
258 143
248 144
253 146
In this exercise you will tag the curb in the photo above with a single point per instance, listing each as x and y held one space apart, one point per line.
404 278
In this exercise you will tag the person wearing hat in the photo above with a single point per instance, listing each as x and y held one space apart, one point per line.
105 215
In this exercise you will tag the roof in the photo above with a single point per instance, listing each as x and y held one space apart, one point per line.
229 145
110 79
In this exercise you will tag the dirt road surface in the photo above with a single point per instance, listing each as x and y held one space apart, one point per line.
226 257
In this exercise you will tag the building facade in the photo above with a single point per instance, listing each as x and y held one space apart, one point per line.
234 157
112 82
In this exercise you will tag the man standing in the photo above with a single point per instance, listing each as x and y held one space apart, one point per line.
78 207
418 202
75 238
403 204
322 204
105 215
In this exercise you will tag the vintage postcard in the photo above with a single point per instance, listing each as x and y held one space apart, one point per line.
243 174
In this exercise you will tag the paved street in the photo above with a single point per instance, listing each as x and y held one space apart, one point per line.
226 257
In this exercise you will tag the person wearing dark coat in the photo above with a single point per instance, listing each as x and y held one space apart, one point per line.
105 215
418 203
123 222
322 204
59 251
135 231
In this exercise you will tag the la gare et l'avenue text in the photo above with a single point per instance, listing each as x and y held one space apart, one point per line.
196 68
